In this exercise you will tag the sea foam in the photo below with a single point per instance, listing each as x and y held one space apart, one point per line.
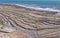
39 8
35 8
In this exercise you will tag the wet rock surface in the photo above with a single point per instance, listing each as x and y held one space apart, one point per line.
31 23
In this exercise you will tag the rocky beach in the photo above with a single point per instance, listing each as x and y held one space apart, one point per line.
21 22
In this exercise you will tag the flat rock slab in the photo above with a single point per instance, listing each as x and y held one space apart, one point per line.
13 35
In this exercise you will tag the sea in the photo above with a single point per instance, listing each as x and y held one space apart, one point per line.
37 4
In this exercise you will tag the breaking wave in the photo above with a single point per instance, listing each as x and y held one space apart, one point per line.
39 8
35 7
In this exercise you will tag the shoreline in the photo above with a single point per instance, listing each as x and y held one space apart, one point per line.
31 8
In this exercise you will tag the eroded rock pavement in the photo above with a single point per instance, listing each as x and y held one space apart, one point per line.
20 22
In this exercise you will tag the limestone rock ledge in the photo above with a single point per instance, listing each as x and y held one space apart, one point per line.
13 35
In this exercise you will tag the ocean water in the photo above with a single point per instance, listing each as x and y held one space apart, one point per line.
36 4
